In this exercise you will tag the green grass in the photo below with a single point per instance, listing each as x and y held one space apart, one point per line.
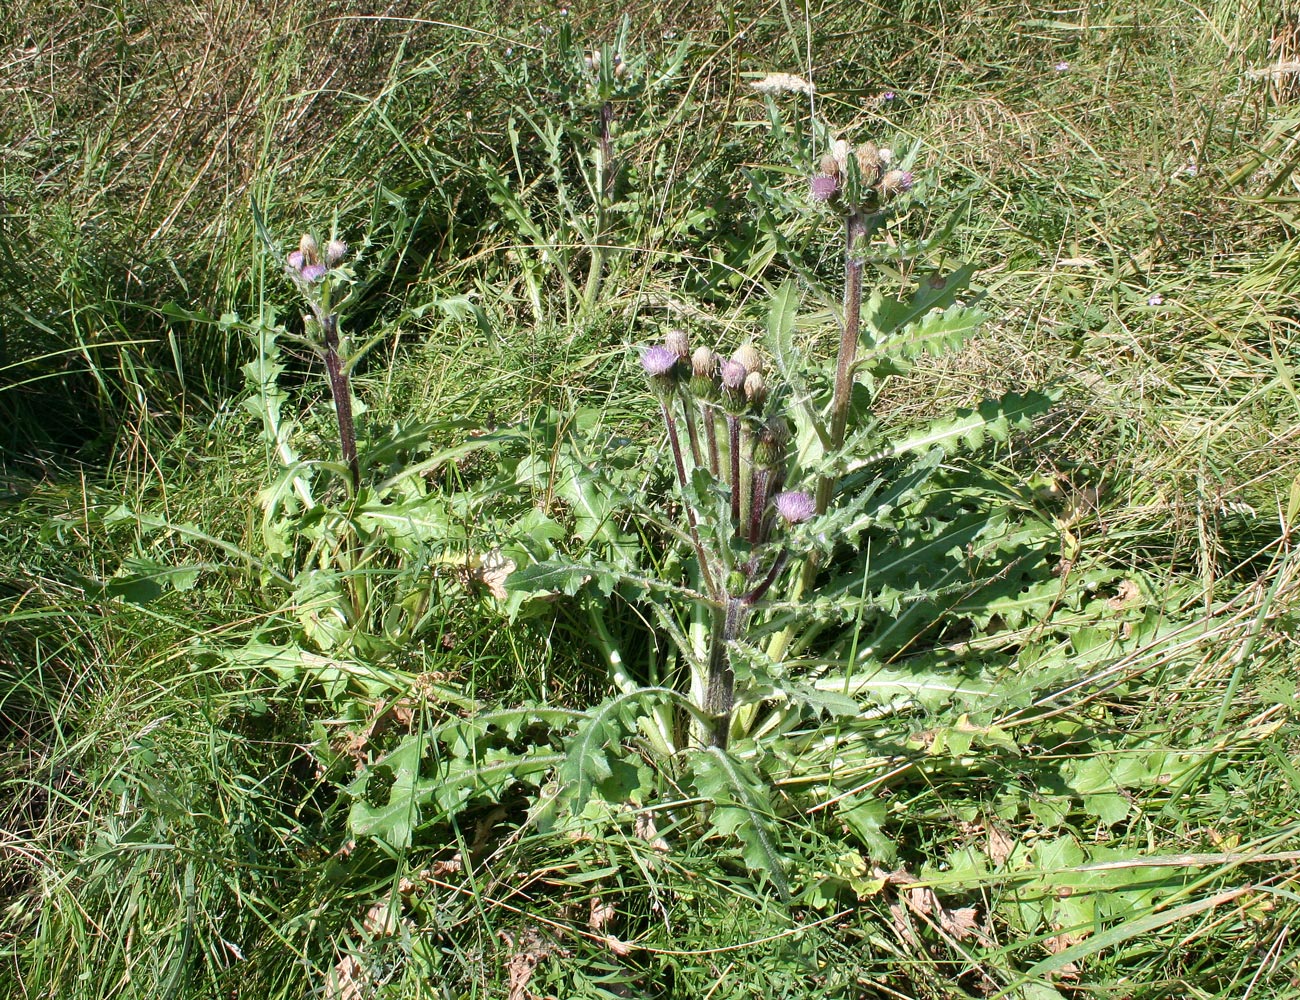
174 813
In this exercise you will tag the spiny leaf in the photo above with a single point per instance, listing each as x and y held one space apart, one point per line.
884 315
391 799
970 428
591 752
936 334
741 807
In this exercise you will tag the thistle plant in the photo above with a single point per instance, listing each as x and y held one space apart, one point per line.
311 270
746 553
798 560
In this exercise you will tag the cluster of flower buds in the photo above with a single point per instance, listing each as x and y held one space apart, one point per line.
308 266
592 61
725 404
861 177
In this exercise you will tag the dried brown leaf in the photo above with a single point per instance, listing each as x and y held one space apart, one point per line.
601 914
1126 596
348 980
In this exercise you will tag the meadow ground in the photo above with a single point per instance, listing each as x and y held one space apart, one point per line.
279 721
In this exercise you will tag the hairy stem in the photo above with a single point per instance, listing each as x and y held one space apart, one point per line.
604 187
854 229
692 432
711 436
675 442
758 503
733 439
341 390
721 692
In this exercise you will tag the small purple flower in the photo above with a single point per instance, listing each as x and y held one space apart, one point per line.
1155 299
888 95
658 360
795 506
313 273
733 375
1062 67
823 187
296 260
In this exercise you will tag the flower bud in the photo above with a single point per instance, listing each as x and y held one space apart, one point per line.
755 390
870 163
770 444
795 506
830 166
840 151
309 248
896 182
747 355
335 251
733 387
679 343
704 367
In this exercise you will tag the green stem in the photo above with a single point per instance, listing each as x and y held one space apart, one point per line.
341 390
692 432
700 555
854 229
604 189
733 440
721 692
710 415
855 232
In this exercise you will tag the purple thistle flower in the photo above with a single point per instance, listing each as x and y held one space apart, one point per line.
658 360
295 260
823 187
795 506
313 273
733 375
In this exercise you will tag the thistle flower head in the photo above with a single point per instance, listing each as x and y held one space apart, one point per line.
755 390
795 506
703 363
747 355
335 251
309 248
658 361
823 187
841 151
295 261
679 343
896 182
313 273
769 448
870 162
829 165
733 375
